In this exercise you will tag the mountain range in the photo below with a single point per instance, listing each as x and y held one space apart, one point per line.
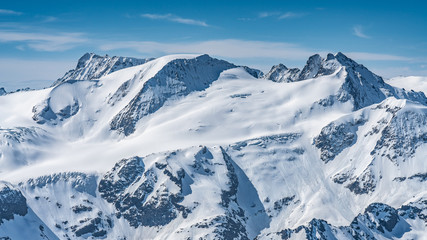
194 147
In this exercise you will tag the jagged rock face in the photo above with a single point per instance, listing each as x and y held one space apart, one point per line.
312 67
12 202
378 221
280 73
254 72
365 88
177 79
80 182
403 135
2 92
75 211
361 86
394 137
152 203
172 189
44 113
91 66
336 137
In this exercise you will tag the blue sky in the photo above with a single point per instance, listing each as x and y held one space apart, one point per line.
41 40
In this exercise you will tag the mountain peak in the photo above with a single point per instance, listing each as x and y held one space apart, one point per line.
92 66
280 73
345 61
84 59
2 91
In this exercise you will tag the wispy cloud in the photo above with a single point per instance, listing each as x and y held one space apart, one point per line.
49 19
358 31
291 15
281 15
43 41
268 14
9 12
174 18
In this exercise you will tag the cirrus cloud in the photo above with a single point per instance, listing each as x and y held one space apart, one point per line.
358 31
174 18
9 12
43 41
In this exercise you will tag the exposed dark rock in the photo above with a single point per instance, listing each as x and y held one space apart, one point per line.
81 208
280 73
363 184
402 136
378 219
336 137
43 113
158 210
264 141
81 182
2 91
12 202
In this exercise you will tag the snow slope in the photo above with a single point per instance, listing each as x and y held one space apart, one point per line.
188 146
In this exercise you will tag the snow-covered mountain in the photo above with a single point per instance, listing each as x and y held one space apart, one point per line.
91 66
193 147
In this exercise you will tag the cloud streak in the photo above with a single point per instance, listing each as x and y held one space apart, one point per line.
42 41
268 14
9 12
281 15
174 18
288 15
358 31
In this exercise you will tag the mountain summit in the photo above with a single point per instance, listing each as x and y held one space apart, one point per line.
92 66
361 86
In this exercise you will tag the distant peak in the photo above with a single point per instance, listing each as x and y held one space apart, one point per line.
280 66
316 58
83 59
344 60
93 66
330 56
204 56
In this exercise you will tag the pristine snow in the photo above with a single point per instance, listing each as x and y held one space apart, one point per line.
269 130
